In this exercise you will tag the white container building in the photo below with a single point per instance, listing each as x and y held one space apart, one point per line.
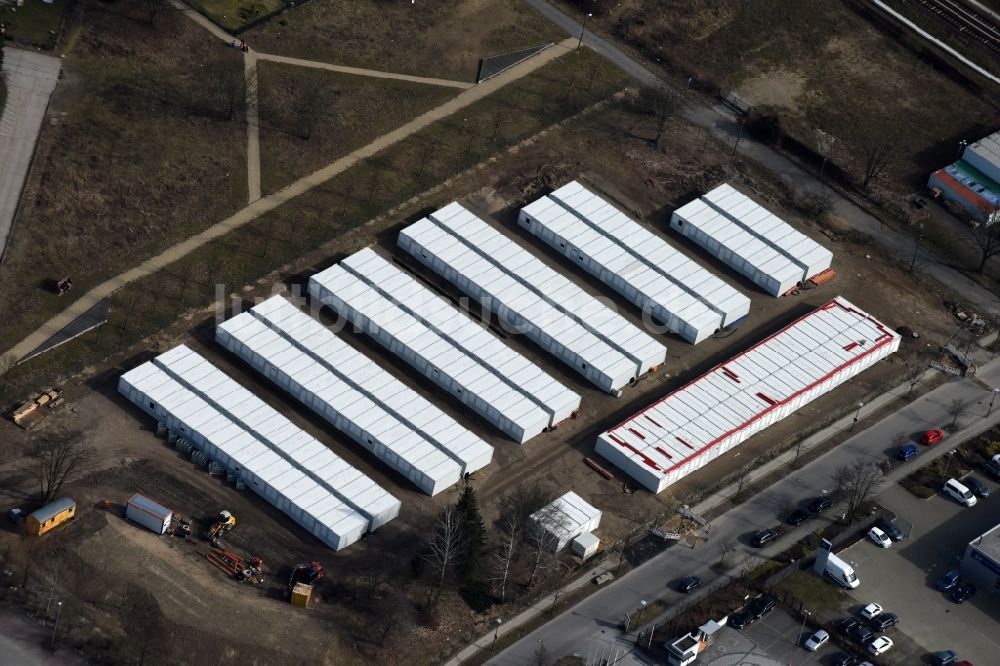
443 344
389 419
751 239
695 424
532 298
566 518
269 426
641 266
150 514
271 476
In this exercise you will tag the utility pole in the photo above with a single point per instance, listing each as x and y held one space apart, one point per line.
916 246
802 630
739 135
992 398
55 626
583 28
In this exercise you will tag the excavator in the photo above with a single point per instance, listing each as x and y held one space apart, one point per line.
225 522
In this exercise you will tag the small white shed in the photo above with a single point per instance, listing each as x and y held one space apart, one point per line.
585 545
567 518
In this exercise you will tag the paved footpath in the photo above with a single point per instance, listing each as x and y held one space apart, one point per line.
31 77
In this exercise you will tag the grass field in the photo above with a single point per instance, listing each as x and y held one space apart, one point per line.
311 117
235 14
36 23
438 38
132 159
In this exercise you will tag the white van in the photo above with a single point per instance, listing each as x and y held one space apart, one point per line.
959 493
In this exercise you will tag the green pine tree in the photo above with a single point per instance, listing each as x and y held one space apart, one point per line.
473 531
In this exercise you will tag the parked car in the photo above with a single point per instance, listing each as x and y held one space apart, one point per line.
817 640
879 538
890 528
958 492
944 658
763 537
880 645
860 634
821 503
905 453
797 517
996 459
687 584
846 624
883 621
977 487
843 659
742 619
992 469
761 606
949 580
870 611
931 437
963 592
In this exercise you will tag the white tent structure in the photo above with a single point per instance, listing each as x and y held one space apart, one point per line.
716 412
389 419
443 344
751 239
532 298
279 461
641 266
566 518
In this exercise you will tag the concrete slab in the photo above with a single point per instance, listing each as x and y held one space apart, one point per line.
31 77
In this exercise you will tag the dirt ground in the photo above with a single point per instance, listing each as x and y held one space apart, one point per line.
607 147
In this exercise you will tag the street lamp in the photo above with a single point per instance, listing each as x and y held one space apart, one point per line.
56 624
951 454
739 135
496 633
583 28
961 148
856 415
805 615
916 245
992 398
642 607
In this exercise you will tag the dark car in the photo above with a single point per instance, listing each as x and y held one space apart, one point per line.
944 658
890 528
883 621
992 469
860 634
846 625
820 504
797 517
742 619
761 606
905 453
977 487
963 592
948 581
688 584
843 659
763 537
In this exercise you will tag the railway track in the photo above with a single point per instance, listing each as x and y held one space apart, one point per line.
969 22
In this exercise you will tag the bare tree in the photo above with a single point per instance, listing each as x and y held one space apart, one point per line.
445 545
899 439
878 155
857 483
956 408
985 237
505 553
313 102
726 546
663 105
227 88
741 479
395 615
541 656
517 506
542 541
59 459
914 373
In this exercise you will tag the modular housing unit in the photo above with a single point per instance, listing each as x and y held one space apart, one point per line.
566 518
150 514
285 438
751 239
642 267
717 411
50 516
355 395
984 156
444 345
289 489
532 298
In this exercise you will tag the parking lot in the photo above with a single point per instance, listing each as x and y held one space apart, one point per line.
902 578
772 640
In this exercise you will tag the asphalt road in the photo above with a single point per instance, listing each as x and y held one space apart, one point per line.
595 620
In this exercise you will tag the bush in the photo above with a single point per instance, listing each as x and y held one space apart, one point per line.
923 492
767 127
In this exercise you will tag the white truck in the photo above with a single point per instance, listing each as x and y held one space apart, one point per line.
841 572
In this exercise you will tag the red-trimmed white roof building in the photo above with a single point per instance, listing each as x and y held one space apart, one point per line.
695 424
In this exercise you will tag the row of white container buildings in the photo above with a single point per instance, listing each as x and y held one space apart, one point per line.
641 266
751 239
532 298
717 411
444 345
354 394
278 460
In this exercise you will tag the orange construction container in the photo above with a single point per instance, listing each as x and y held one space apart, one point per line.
50 516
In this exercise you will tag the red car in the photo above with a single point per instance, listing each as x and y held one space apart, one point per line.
931 437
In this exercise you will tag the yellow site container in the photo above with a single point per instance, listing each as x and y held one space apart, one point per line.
51 515
301 595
